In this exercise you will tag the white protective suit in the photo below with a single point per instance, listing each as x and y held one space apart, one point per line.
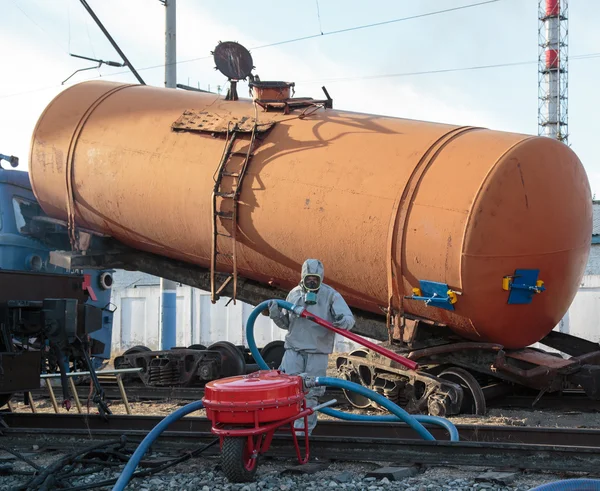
307 345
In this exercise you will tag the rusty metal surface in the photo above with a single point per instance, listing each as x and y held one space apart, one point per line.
540 377
192 120
272 91
448 348
373 197
589 358
538 358
233 60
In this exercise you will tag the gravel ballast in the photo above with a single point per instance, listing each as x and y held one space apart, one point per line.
204 474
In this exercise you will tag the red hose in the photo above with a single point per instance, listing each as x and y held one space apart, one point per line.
411 365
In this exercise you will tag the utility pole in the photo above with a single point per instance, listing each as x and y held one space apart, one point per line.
168 288
171 45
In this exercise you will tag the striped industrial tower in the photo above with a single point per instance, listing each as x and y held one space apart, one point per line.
553 69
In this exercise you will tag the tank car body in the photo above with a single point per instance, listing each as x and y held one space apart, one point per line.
389 205
470 243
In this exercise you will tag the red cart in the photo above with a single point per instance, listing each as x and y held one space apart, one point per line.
247 410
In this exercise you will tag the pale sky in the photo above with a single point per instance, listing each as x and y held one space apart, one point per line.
37 36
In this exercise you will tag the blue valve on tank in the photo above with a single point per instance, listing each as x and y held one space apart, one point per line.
523 285
435 295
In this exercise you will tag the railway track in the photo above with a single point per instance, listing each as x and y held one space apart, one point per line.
551 449
570 400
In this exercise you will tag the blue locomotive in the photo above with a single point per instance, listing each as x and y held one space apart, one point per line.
52 320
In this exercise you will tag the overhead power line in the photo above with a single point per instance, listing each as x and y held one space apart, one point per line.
356 28
327 80
425 72
586 56
442 70
16 3
377 24
319 17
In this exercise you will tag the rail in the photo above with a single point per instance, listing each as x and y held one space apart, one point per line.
552 449
571 400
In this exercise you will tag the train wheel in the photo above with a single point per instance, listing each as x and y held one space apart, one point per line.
137 349
353 374
272 353
4 398
239 465
120 362
232 361
473 398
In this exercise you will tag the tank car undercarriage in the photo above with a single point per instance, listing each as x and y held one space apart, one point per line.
195 365
454 376
458 376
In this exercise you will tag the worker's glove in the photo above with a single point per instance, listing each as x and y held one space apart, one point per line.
274 311
338 320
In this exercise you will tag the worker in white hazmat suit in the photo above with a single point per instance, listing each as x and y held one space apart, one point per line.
307 345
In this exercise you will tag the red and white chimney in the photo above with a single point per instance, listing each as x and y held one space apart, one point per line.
553 69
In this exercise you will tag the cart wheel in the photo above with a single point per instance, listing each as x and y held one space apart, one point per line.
236 460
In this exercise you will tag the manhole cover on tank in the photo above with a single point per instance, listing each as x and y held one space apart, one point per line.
233 60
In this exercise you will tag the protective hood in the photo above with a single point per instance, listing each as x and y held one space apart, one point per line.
313 266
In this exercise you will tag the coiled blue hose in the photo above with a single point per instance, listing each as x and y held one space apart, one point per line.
149 440
570 485
398 414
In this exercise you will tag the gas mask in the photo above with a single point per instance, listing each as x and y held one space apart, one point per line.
311 284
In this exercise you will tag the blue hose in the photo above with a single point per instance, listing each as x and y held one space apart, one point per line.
398 414
436 420
250 329
570 485
149 440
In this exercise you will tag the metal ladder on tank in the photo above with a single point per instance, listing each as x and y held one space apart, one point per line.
231 196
